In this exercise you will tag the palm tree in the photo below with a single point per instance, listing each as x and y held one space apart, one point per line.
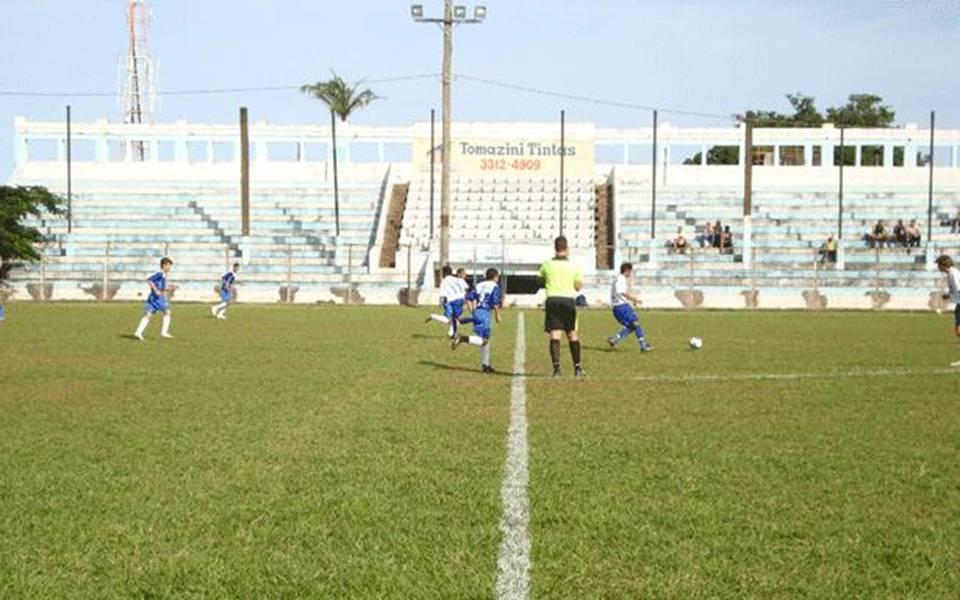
342 99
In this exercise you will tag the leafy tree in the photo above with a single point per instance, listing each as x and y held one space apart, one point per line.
862 110
342 99
18 241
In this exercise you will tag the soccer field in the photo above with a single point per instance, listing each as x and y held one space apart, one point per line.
329 451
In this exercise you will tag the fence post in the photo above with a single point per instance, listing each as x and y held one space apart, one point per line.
106 273
43 276
409 272
289 274
349 273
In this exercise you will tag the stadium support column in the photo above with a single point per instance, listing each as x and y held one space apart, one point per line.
244 173
563 154
69 175
445 134
843 152
653 195
933 116
748 190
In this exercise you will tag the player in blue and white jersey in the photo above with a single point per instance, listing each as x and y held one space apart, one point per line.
2 314
623 302
453 291
158 301
227 281
946 266
489 301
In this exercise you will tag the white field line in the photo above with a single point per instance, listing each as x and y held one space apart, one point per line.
791 376
513 563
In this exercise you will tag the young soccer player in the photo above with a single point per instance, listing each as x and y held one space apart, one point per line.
227 282
157 301
489 301
453 290
621 300
946 266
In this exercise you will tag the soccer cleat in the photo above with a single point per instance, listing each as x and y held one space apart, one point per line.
455 342
488 369
213 311
645 347
612 341
166 335
139 336
556 372
955 364
578 372
222 317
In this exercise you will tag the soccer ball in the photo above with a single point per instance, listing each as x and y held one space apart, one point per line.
696 343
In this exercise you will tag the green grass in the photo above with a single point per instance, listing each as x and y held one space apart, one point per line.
346 452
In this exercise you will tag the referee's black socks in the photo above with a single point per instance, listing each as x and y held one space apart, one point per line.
555 353
574 353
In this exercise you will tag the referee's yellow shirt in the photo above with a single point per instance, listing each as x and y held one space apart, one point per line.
559 276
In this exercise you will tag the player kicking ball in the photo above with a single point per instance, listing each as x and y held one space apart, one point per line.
488 303
453 291
227 282
945 265
157 301
623 302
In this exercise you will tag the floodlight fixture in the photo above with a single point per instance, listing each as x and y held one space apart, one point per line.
416 11
479 12
459 12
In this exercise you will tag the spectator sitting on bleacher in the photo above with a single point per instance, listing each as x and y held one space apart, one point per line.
828 251
913 235
706 240
878 237
955 226
900 234
680 244
717 233
726 241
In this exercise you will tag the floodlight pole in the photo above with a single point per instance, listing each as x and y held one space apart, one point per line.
447 22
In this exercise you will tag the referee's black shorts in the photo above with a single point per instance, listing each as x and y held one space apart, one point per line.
561 313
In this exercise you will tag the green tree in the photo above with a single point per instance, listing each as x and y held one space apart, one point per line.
18 241
862 110
342 99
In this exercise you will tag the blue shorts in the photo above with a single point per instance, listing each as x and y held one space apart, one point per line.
2 315
453 310
156 304
483 323
226 296
956 315
625 315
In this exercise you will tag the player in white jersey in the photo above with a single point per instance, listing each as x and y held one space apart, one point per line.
488 303
453 291
946 266
622 302
226 291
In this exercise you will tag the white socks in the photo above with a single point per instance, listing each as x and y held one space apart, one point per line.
440 318
222 307
165 327
475 340
142 326
485 355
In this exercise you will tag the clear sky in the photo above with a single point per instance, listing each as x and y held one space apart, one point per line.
716 56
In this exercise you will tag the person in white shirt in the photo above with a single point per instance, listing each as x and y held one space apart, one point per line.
623 302
946 266
453 292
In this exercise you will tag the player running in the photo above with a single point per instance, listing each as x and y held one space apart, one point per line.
621 300
227 282
489 301
946 266
453 291
157 301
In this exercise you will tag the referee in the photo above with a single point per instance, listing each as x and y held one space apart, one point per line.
563 280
